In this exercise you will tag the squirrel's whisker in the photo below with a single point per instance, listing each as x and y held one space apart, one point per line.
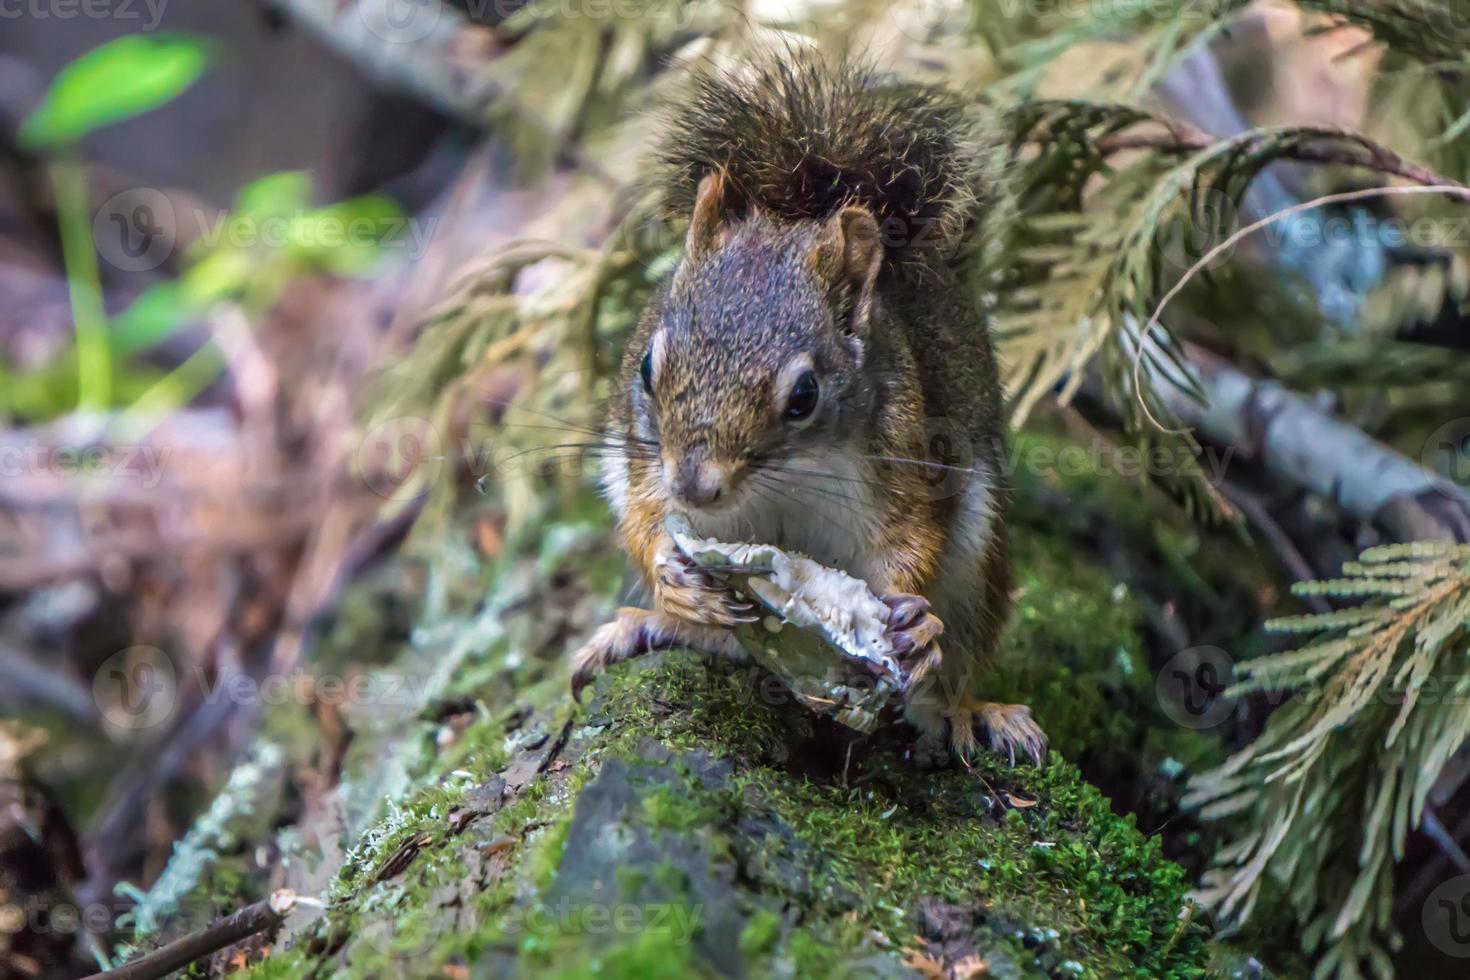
569 449
927 463
860 481
792 489
568 424
773 475
778 494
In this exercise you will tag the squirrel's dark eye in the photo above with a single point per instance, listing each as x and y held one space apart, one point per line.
803 400
645 371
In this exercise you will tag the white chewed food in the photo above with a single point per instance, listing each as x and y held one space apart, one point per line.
839 660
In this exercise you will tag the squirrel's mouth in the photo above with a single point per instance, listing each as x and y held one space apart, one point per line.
698 485
727 505
730 524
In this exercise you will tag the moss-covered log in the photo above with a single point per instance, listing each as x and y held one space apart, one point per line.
692 819
686 827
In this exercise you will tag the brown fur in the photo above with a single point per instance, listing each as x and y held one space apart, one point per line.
779 276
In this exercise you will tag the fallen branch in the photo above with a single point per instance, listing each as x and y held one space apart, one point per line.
265 914
1302 444
429 49
29 680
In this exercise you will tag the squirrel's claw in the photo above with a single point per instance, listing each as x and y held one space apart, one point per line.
634 632
912 631
686 591
1010 727
904 610
612 643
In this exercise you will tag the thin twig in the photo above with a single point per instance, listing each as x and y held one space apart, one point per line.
1179 137
1442 838
1146 334
1259 515
559 743
265 914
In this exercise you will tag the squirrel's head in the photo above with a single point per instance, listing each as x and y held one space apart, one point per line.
754 354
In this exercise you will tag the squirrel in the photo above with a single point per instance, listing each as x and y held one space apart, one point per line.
786 382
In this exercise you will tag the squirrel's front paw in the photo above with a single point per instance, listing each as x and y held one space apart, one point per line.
685 591
913 630
634 632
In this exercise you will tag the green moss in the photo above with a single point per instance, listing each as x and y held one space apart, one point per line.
546 856
1064 880
721 710
1072 650
760 933
1070 865
822 867
425 813
810 956
479 750
655 954
1092 888
289 965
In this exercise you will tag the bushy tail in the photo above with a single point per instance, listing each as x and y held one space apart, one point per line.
798 138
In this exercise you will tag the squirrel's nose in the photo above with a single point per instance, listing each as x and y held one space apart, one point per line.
697 481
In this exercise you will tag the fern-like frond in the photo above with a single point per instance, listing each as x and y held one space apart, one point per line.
1161 33
1428 30
1360 692
1096 241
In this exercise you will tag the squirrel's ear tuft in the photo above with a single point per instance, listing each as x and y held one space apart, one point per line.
707 224
849 253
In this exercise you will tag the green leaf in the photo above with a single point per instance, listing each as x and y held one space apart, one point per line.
119 80
345 237
274 195
157 313
220 274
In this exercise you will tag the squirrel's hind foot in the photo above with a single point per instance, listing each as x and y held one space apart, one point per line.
634 632
1009 727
